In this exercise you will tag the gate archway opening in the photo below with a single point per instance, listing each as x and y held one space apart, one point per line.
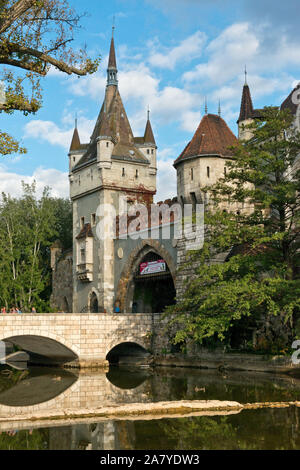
153 287
94 303
127 353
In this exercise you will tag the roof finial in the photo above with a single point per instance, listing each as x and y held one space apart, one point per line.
76 120
206 110
148 113
219 109
113 26
246 75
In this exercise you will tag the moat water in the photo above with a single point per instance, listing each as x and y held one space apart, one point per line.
268 428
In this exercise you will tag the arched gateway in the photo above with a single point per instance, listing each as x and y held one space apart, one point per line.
147 283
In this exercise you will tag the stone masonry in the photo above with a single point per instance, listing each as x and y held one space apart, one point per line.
90 337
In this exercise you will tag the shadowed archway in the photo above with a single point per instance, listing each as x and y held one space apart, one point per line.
43 350
162 286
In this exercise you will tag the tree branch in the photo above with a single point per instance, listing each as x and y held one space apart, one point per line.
63 66
14 13
23 65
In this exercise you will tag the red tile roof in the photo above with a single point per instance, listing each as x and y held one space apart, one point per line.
288 102
213 137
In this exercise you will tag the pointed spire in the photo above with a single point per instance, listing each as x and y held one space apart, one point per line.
148 136
246 111
75 144
112 71
246 75
206 109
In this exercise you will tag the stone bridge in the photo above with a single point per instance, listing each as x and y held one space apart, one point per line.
83 340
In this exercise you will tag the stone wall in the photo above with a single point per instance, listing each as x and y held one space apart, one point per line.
89 336
62 283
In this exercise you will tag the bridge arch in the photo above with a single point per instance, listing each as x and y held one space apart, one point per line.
126 285
126 349
51 346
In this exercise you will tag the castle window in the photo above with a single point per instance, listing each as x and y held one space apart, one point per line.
136 173
81 222
123 171
208 171
225 170
192 174
82 256
148 151
73 159
152 151
93 219
107 144
194 202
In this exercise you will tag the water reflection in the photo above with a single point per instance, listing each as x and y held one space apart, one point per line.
42 389
127 378
58 389
278 429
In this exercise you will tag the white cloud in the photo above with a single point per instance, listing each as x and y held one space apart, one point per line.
140 87
11 183
188 49
240 44
166 180
227 54
50 132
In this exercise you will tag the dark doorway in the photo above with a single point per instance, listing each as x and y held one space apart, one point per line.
128 353
94 303
153 291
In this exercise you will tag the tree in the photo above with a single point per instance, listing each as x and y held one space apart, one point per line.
258 282
35 35
27 227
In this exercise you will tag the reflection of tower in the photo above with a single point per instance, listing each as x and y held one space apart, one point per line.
109 441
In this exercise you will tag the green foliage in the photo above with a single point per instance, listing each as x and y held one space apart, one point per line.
36 439
35 35
261 239
28 226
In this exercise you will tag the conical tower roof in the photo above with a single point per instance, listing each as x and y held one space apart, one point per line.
75 144
112 63
289 103
213 137
148 136
246 110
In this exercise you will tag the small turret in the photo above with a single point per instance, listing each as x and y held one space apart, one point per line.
76 151
247 112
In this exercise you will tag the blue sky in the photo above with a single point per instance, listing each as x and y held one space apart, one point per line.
170 55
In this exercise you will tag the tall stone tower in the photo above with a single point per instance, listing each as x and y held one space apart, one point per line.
114 166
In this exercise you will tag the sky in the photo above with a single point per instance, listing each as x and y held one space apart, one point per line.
171 54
